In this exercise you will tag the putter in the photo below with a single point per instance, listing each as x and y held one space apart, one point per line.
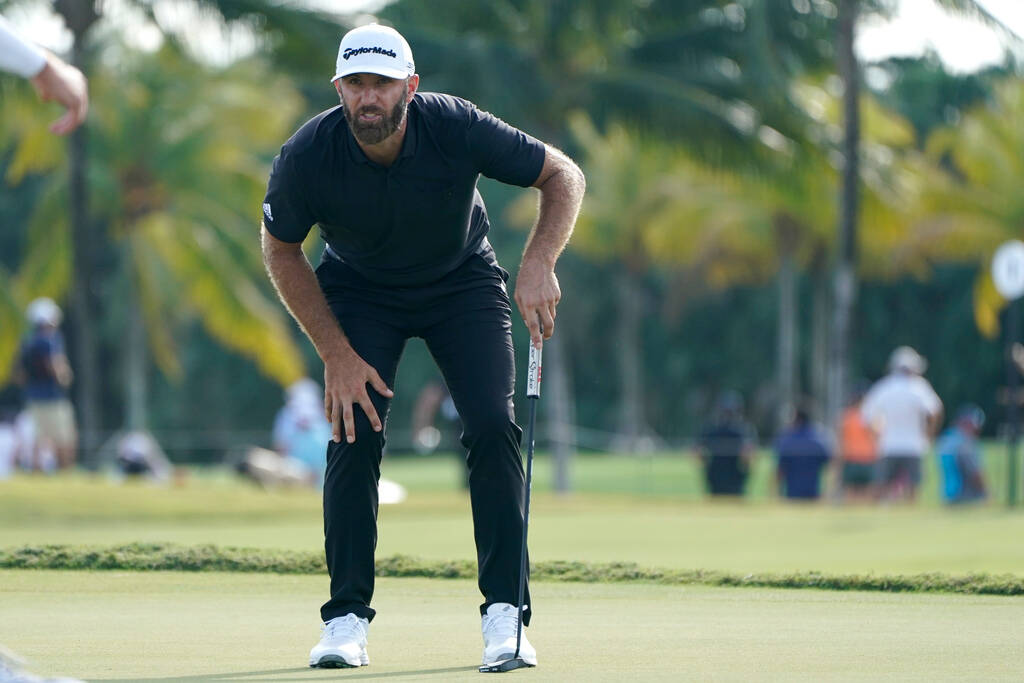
532 393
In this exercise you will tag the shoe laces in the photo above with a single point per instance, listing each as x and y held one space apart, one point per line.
501 625
348 626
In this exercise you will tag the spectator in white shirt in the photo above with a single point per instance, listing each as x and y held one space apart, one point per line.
905 413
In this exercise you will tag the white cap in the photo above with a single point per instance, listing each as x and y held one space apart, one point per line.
907 359
44 311
374 49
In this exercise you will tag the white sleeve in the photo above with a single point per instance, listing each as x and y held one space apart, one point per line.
19 56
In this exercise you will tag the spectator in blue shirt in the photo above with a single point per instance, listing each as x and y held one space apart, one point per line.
963 480
802 454
46 375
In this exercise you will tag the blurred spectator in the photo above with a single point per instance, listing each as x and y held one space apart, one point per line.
8 440
301 431
272 470
726 448
10 433
959 453
44 370
904 411
25 444
858 452
138 456
802 454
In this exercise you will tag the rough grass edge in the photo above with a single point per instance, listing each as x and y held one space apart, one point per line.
210 558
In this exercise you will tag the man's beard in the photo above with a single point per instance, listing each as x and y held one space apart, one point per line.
372 133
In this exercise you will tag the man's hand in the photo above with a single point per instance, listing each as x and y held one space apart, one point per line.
345 373
66 85
537 295
345 380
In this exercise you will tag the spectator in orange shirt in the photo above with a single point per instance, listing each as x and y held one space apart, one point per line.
858 452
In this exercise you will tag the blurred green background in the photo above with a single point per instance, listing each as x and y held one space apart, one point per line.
714 142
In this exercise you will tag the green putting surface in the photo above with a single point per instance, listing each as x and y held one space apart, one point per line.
174 626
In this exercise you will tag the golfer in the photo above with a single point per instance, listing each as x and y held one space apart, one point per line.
390 179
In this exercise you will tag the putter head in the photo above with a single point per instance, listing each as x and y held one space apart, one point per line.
503 666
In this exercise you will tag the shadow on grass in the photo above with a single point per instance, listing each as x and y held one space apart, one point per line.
280 675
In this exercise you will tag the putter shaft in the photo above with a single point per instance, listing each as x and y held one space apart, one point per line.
533 394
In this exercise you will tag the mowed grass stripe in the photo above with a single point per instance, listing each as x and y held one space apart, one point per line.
191 626
210 558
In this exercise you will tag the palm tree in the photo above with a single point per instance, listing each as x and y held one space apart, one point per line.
970 200
845 272
652 204
177 157
293 36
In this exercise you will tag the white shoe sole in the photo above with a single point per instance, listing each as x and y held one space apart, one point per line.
506 665
330 661
505 656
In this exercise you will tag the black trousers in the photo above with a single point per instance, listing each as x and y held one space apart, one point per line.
465 320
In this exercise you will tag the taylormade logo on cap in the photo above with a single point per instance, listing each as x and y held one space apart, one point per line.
374 49
363 50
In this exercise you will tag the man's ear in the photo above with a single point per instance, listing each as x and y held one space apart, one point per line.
414 83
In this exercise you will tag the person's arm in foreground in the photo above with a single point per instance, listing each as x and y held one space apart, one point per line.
345 373
561 184
52 78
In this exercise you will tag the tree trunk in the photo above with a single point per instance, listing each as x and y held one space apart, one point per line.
630 382
633 433
845 282
135 366
787 383
819 331
79 18
82 319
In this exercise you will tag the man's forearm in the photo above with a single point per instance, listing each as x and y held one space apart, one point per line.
296 285
560 197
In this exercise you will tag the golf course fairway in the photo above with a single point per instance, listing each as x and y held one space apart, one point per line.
177 626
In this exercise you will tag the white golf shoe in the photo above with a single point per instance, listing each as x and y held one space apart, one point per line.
342 644
499 630
11 671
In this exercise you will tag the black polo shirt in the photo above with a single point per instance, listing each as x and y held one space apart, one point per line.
414 221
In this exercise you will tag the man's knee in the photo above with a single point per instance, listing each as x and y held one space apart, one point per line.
489 427
362 454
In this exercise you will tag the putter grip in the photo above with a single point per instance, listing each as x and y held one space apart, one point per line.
533 373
